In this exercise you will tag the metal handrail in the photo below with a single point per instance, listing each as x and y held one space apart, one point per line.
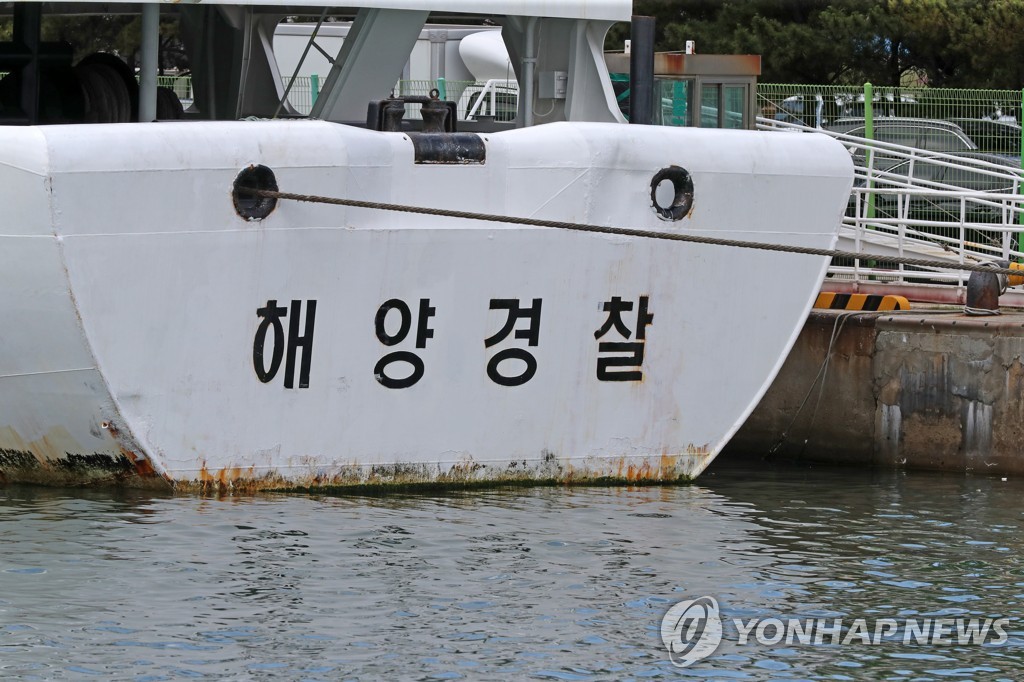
924 216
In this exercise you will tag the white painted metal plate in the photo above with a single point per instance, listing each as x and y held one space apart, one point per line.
169 283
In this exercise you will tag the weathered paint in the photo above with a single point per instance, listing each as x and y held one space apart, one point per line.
680 64
929 390
880 302
139 344
1016 280
546 470
983 289
941 294
76 469
448 148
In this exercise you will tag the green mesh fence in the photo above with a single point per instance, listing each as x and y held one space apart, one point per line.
301 95
180 85
974 125
989 119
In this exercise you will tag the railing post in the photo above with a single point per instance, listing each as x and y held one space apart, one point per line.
150 57
869 134
1020 186
314 87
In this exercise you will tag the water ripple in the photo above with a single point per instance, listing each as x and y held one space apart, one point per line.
546 583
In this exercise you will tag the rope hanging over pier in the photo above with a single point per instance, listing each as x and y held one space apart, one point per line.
629 232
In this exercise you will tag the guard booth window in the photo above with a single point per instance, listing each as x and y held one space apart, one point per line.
723 105
703 90
672 106
735 105
709 106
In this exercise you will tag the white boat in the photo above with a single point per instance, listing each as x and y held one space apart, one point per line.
161 329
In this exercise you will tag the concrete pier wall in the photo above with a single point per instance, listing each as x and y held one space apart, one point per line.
926 390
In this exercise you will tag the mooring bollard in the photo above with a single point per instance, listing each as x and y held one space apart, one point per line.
985 288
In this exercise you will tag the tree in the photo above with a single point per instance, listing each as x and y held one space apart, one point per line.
803 41
117 34
955 43
993 44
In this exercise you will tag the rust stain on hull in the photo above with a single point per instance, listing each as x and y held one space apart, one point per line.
142 465
143 468
46 462
78 469
57 459
548 470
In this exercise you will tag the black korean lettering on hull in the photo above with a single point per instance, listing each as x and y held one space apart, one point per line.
629 354
284 348
531 334
617 361
423 333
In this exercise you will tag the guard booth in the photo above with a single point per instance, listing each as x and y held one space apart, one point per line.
721 87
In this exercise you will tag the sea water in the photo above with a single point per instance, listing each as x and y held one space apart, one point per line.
529 583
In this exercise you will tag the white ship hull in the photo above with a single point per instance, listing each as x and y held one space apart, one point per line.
154 336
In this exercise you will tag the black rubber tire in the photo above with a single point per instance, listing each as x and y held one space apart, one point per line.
99 105
168 106
127 76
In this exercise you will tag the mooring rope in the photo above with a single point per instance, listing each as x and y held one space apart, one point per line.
630 232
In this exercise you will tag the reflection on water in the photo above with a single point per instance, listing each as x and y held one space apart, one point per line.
547 583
